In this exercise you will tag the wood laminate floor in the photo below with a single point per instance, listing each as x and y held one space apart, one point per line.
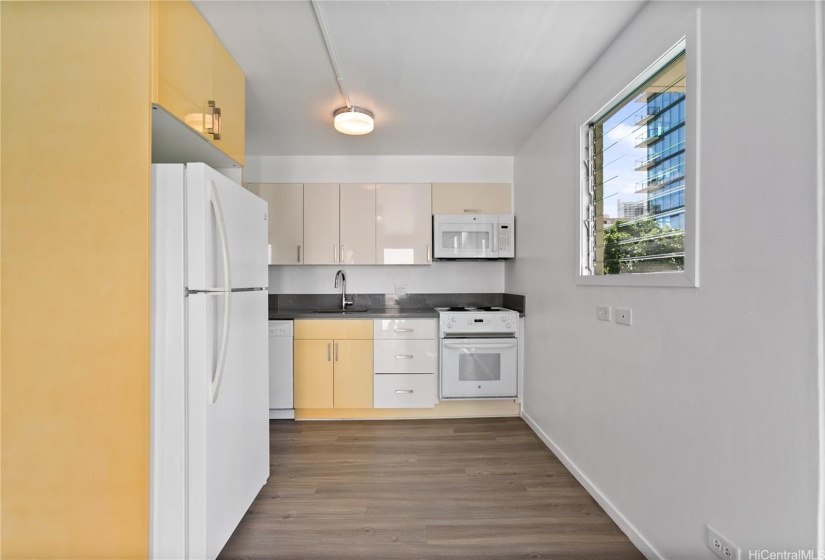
421 489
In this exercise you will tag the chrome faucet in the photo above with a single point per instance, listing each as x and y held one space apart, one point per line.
344 301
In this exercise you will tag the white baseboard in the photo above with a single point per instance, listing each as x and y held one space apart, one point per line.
282 414
624 524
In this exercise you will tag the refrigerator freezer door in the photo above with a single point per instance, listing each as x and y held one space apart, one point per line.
223 221
228 439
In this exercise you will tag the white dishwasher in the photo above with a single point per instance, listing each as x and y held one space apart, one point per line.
280 370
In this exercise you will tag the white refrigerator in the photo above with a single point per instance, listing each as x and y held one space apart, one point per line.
209 383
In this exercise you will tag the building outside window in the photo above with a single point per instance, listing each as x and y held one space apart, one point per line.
635 178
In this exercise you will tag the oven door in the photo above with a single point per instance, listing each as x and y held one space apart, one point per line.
459 239
479 368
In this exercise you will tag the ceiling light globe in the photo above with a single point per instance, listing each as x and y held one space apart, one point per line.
353 120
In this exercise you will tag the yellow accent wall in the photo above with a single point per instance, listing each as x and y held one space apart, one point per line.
74 279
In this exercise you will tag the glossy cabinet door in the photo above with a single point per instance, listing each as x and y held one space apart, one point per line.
321 224
357 228
472 198
353 373
313 373
403 232
333 363
229 95
286 220
183 48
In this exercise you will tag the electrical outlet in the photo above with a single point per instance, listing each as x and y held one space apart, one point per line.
603 312
400 289
721 546
624 317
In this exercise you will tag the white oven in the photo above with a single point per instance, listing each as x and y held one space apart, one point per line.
479 354
473 236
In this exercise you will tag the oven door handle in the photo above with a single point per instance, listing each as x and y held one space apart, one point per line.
480 345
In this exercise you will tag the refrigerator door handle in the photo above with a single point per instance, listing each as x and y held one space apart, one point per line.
227 279
220 362
218 211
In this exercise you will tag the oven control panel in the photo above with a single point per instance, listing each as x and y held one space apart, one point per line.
478 322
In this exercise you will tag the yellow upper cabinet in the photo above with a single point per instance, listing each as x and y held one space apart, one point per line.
196 80
184 63
229 94
471 198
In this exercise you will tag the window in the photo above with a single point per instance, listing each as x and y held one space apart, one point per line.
634 177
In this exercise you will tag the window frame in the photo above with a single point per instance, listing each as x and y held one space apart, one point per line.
689 277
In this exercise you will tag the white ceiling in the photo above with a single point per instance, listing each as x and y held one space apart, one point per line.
441 77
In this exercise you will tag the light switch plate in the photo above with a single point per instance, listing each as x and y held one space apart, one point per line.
624 317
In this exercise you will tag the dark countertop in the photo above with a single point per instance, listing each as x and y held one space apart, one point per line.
385 313
381 306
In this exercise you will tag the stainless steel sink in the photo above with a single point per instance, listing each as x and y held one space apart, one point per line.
340 311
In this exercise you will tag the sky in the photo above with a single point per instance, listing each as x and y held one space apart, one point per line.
620 158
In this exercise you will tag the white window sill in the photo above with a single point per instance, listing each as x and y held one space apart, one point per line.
658 279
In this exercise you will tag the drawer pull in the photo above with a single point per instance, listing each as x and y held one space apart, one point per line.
329 349
403 330
403 356
403 391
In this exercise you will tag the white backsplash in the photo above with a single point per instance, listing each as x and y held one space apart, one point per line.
439 277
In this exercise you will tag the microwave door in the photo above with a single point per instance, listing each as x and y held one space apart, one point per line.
468 241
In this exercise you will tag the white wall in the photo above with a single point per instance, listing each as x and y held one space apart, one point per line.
446 277
439 277
705 410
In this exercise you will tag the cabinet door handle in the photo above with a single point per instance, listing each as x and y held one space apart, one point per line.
429 254
472 210
329 351
335 253
215 129
336 351
404 357
342 253
403 330
403 391
299 253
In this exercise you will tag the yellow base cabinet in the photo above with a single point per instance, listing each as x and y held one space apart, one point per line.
353 374
313 373
333 364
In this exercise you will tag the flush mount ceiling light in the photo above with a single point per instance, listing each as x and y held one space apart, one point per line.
353 120
348 120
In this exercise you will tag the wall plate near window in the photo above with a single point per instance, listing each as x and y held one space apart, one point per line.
639 153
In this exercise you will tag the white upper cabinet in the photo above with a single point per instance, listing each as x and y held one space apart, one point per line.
403 230
471 198
286 220
321 223
357 229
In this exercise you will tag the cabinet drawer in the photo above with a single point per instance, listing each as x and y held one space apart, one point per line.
395 329
405 390
405 356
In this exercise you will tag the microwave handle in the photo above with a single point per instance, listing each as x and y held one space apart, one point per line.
495 238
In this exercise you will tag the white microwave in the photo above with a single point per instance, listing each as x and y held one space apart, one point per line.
474 236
